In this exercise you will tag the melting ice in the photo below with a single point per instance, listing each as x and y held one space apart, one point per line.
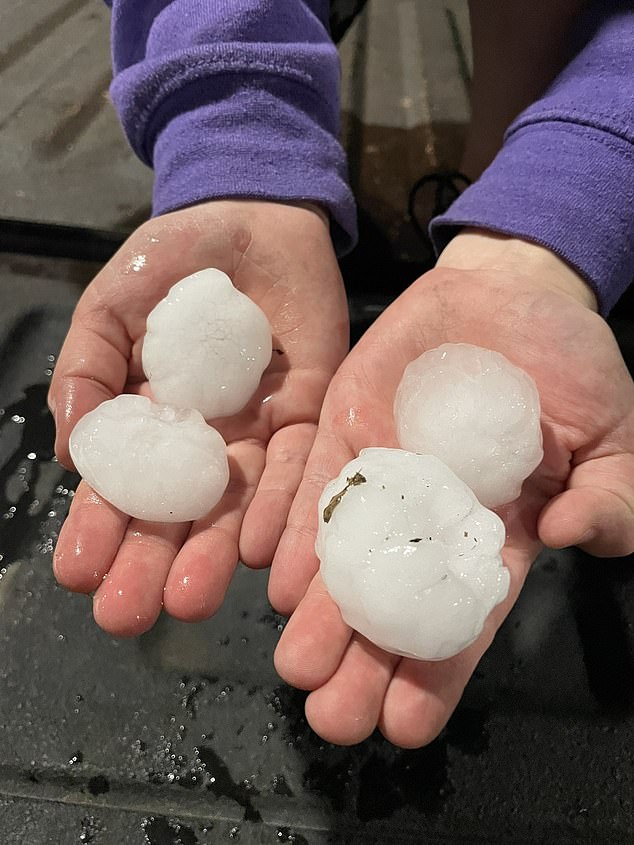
475 411
409 554
206 346
151 461
408 549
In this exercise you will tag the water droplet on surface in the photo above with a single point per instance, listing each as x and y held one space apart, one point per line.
280 787
90 828
285 834
138 263
162 831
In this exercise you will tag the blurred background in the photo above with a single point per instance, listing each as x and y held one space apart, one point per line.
186 735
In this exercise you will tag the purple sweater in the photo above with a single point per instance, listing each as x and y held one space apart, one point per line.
239 98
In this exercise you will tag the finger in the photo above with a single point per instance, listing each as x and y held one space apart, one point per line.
88 541
314 640
422 696
92 367
266 516
295 562
203 569
346 709
596 512
129 600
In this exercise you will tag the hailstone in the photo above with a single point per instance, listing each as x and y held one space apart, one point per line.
153 462
475 411
206 346
409 554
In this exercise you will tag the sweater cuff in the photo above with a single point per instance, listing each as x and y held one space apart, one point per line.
244 125
253 143
565 186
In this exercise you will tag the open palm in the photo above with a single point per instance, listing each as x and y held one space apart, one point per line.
582 493
280 256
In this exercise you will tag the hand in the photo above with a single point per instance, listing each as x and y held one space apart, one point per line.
282 257
534 309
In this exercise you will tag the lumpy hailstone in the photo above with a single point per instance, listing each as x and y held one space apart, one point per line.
409 554
475 411
151 461
206 346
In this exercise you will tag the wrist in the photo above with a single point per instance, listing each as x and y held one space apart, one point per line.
479 249
315 208
297 219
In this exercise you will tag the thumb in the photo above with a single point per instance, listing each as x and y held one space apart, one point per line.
596 512
92 367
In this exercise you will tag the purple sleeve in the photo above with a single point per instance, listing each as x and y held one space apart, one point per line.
233 98
565 175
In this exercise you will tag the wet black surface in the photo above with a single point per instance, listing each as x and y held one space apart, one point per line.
186 735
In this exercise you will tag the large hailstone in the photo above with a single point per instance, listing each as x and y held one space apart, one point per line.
409 554
475 411
153 462
206 346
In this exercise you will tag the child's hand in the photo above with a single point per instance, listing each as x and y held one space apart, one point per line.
282 257
536 311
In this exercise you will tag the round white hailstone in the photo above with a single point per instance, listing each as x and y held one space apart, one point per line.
151 461
409 554
475 411
206 346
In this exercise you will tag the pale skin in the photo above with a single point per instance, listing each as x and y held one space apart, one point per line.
518 299
489 290
493 291
134 568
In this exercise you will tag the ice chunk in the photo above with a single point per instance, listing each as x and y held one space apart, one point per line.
151 461
206 346
409 554
475 411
